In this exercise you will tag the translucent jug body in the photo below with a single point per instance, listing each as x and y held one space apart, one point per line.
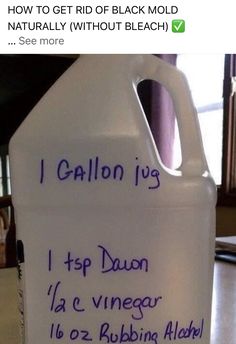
114 246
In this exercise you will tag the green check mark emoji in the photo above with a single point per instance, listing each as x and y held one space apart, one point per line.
178 25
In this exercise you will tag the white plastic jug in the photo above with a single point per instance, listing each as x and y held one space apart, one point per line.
116 247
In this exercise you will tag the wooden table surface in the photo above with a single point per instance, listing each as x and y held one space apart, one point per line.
223 329
223 307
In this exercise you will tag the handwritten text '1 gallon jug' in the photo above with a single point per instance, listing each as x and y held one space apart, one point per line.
117 249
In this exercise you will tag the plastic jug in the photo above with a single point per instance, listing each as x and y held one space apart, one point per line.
113 246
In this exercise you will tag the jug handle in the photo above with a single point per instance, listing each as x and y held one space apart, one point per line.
193 157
